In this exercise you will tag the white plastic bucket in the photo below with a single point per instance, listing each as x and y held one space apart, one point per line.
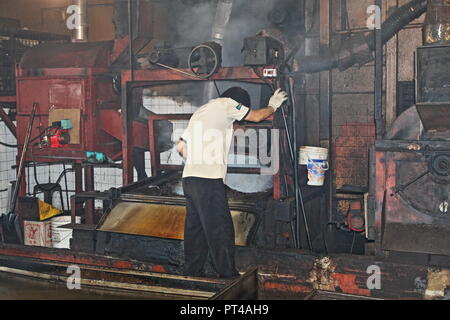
61 236
307 153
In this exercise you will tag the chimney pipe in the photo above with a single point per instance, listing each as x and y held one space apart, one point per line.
220 23
222 17
80 33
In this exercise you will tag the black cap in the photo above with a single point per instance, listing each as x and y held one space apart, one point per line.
239 95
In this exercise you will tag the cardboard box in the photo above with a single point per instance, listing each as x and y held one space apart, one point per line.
38 233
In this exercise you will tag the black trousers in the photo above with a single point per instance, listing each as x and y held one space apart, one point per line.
208 227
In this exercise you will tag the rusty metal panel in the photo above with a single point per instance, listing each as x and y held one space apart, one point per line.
68 55
433 91
88 94
164 221
435 116
411 215
146 219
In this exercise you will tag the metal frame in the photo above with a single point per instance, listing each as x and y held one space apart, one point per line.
152 77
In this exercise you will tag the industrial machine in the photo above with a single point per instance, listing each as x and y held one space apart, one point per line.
155 208
106 104
411 166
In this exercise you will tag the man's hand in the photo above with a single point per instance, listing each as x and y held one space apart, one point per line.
277 100
182 148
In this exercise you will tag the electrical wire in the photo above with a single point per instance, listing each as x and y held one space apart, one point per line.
8 145
353 242
57 180
32 140
217 88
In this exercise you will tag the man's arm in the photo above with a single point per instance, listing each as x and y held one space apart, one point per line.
260 114
275 102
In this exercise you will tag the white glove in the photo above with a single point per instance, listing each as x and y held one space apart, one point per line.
277 100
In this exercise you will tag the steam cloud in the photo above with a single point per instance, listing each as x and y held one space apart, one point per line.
195 22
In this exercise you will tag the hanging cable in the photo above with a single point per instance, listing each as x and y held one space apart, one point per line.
32 140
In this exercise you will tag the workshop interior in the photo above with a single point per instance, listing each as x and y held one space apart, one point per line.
94 95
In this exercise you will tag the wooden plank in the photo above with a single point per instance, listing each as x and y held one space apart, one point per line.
112 284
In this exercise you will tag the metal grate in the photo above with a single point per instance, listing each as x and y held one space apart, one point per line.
406 95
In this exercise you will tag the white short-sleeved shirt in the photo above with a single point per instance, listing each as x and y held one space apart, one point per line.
208 137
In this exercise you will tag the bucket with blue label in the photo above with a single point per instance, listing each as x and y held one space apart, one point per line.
316 159
316 172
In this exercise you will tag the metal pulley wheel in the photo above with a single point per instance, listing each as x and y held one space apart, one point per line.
205 59
440 165
154 57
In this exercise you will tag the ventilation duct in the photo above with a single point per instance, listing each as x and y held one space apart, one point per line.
358 50
221 19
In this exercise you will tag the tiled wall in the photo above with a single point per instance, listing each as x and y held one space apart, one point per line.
7 159
351 154
105 178
169 105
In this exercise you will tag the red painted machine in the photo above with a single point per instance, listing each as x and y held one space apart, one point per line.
68 81
72 82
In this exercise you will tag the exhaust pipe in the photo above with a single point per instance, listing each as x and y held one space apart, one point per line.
221 19
80 33
220 23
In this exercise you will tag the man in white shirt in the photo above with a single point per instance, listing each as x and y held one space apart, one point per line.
205 145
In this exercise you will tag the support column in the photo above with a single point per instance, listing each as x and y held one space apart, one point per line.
391 71
78 189
325 102
89 186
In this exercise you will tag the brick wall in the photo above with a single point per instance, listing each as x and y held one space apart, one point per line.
351 156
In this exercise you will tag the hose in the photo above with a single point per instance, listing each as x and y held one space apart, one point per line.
8 145
32 140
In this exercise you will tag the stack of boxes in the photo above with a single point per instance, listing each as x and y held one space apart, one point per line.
36 232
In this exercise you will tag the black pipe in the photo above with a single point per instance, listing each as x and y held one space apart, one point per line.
130 39
398 20
299 203
378 82
360 49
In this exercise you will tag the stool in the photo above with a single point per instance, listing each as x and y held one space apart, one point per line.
49 189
